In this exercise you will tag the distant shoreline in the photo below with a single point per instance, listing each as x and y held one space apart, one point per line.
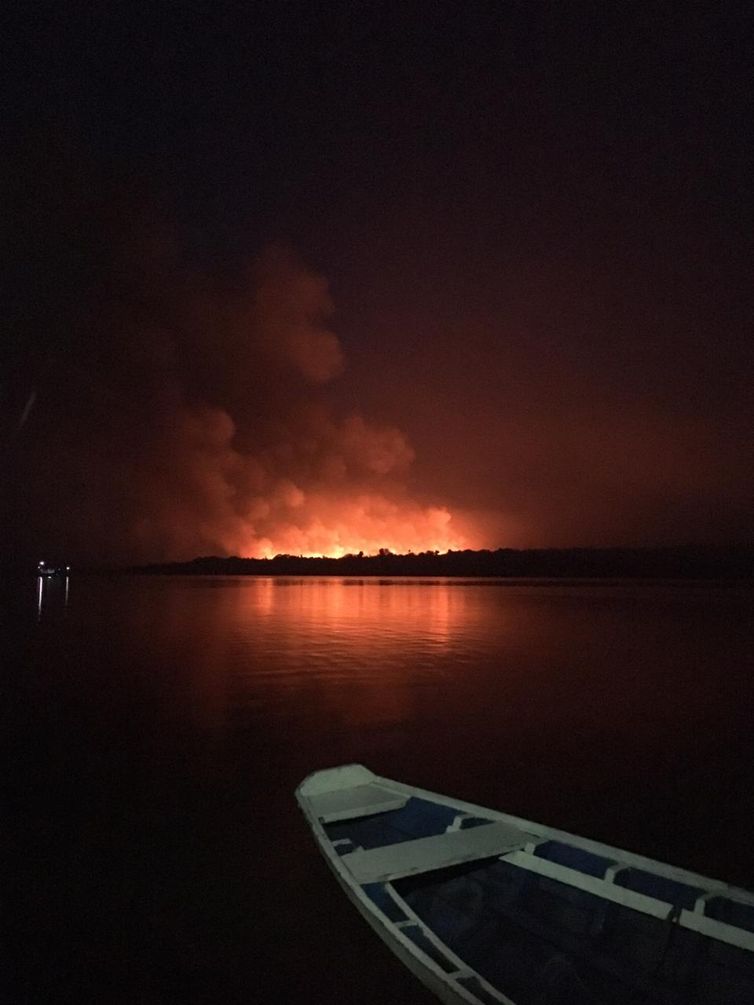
690 562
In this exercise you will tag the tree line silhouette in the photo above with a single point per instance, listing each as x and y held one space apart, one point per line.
690 562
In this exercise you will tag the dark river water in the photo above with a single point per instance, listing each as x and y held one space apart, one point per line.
154 729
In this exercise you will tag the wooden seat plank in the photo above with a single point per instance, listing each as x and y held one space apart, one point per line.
357 801
437 852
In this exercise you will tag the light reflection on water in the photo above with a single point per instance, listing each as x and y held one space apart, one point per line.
572 651
574 659
52 592
362 610
454 683
150 710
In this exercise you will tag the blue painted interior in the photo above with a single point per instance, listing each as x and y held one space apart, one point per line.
668 890
573 858
378 894
731 912
418 818
417 936
474 985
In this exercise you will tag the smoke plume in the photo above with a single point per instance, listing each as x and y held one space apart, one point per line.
184 414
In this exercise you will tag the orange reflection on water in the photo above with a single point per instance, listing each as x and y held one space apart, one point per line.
264 596
368 612
360 650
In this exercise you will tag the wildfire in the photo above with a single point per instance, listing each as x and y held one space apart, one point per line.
365 524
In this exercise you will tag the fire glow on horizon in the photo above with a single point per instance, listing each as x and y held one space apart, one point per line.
364 525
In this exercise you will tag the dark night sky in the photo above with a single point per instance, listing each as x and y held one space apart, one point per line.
301 277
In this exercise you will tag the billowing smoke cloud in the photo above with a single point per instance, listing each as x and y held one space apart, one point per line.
188 415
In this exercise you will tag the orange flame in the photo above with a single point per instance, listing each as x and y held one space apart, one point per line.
366 523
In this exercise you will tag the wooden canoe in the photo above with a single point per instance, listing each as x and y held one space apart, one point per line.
486 908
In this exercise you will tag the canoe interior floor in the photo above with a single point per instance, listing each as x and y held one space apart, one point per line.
542 941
